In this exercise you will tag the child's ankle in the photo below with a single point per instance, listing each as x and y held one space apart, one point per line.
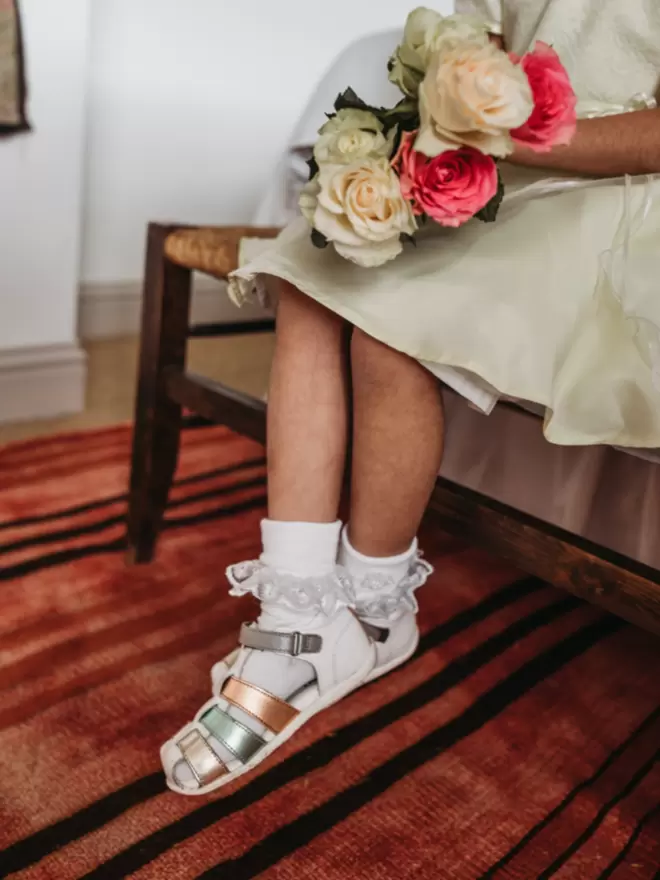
358 565
383 587
303 549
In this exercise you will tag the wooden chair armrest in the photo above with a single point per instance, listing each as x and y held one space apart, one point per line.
211 249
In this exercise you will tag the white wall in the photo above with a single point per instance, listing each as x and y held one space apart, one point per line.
40 182
191 104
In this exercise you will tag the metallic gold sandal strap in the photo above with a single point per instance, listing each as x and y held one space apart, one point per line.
284 643
274 713
240 740
204 764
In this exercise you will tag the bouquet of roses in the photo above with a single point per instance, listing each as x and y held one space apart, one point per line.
377 174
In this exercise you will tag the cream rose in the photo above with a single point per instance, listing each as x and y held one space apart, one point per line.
426 32
360 210
473 96
309 199
352 135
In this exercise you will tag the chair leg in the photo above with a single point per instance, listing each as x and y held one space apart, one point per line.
157 431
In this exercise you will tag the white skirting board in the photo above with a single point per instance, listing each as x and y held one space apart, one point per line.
112 310
42 382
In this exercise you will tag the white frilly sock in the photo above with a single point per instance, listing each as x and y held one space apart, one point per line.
303 549
359 566
383 587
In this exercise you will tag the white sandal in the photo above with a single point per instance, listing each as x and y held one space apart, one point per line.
337 648
388 612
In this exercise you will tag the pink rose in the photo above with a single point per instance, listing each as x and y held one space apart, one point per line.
554 117
450 188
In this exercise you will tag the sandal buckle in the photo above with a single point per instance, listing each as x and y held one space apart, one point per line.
297 644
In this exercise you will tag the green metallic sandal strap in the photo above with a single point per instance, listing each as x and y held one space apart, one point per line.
242 742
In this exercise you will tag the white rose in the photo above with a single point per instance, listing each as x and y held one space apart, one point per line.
472 95
426 32
309 199
360 210
352 135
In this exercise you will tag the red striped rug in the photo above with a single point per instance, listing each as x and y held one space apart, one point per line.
521 742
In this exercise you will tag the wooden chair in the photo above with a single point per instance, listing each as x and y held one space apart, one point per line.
595 573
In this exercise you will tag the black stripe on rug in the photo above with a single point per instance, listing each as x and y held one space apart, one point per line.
78 531
299 833
582 838
31 850
570 797
72 554
75 510
99 447
632 840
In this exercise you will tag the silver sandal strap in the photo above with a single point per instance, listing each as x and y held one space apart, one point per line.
203 762
239 739
283 643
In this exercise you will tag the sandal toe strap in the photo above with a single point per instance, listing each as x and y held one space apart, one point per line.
194 743
273 713
242 742
200 757
198 752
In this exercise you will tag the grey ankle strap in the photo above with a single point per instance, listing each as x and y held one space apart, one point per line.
283 643
376 633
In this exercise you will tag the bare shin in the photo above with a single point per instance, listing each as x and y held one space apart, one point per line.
397 446
307 411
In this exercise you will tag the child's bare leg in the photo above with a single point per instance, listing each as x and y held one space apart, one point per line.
307 648
307 411
397 446
397 450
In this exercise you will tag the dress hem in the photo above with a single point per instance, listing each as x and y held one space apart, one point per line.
243 288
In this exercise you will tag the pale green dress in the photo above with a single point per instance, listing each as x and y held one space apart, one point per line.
558 302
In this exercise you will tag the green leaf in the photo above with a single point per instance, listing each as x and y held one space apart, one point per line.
490 211
349 100
408 125
405 238
313 167
405 107
405 115
319 240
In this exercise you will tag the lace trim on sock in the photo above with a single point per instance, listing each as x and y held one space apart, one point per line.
327 594
384 598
